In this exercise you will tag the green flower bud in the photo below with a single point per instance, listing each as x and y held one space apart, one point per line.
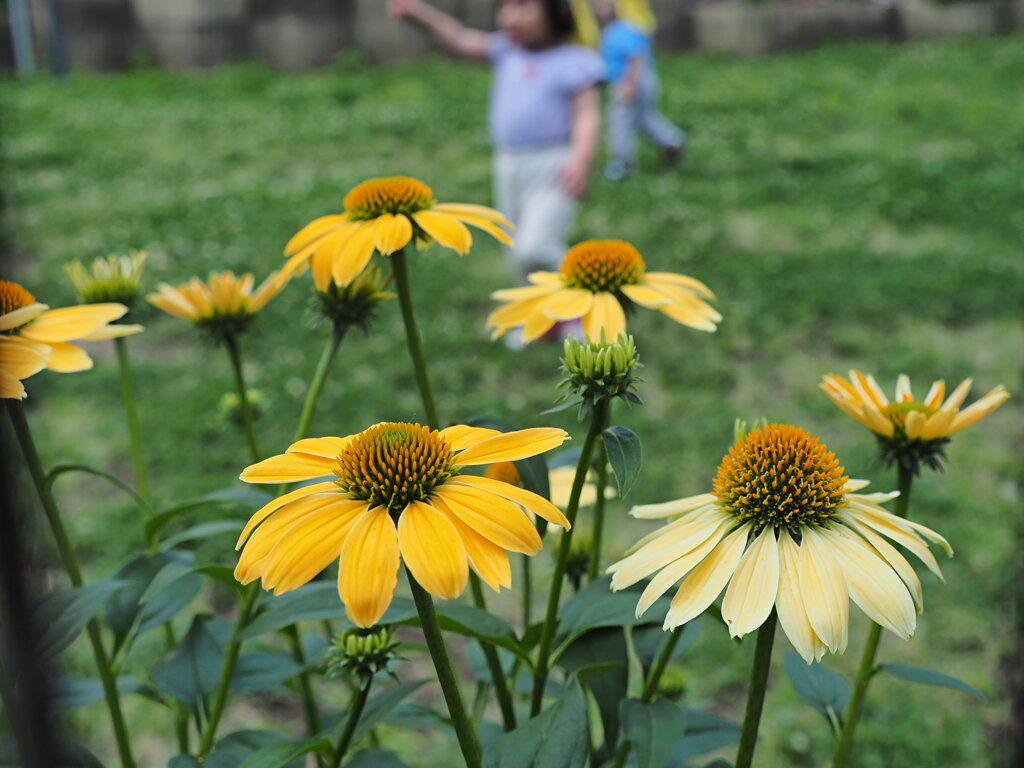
361 652
230 406
355 303
109 278
599 371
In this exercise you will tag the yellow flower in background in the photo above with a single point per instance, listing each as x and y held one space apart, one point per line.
109 278
385 215
34 337
783 529
395 493
595 279
224 304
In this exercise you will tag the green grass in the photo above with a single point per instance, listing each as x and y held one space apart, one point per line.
855 206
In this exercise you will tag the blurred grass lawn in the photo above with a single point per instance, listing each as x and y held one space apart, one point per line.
854 206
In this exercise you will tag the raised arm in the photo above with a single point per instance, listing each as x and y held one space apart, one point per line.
448 32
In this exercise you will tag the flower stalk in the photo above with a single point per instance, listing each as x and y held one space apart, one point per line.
316 384
355 711
755 696
600 482
245 407
131 417
400 270
866 670
16 411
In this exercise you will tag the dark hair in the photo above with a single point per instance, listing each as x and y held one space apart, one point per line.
559 16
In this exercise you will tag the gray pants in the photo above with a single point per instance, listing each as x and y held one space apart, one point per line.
527 191
625 119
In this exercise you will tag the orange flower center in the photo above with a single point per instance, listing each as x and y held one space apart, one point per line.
393 463
602 265
781 476
396 194
13 296
506 472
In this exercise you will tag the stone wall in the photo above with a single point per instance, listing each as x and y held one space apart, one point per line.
189 34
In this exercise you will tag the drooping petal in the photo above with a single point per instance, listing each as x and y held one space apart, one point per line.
474 211
20 316
171 301
116 331
536 325
71 323
325 447
288 468
512 446
898 562
789 603
272 506
368 573
824 591
433 550
485 557
446 230
751 594
605 315
646 296
21 358
673 541
658 279
671 508
705 582
312 232
393 232
494 518
538 505
67 358
354 253
568 304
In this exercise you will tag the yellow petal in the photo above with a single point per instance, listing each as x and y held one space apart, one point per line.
392 232
460 436
512 446
696 315
474 221
568 304
171 301
980 409
325 447
20 358
869 390
823 588
11 388
538 505
789 602
523 292
474 211
536 325
913 424
957 396
446 230
433 550
658 279
71 323
368 572
354 254
312 232
272 506
116 331
646 296
605 315
492 517
20 316
67 358
751 594
288 468
934 397
938 425
485 557
708 579
268 289
321 268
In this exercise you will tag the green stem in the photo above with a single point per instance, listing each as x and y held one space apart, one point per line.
355 710
250 597
755 696
67 554
412 336
316 384
540 676
464 730
501 691
651 687
131 417
231 342
601 481
866 670
305 689
527 593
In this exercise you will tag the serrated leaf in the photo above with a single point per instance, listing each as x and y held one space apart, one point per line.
653 729
818 688
930 677
63 614
625 454
558 736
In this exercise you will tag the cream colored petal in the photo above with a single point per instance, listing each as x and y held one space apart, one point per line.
606 316
368 573
433 550
288 468
957 396
512 446
897 532
115 331
824 591
568 304
789 603
173 302
979 409
71 323
898 562
935 394
671 508
852 485
487 559
538 505
872 583
751 594
492 517
903 393
393 232
705 582
445 229
869 389
18 317
67 358
677 569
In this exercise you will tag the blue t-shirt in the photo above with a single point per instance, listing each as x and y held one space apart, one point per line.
531 91
620 42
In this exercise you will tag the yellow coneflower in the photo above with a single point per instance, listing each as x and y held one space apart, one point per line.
395 492
594 281
784 530
34 337
386 215
110 278
224 303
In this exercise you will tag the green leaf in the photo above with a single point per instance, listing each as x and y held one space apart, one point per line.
704 733
625 454
279 755
597 606
375 758
63 614
62 469
167 575
262 671
313 602
190 673
647 641
599 659
222 573
818 688
74 692
231 750
479 624
930 677
203 531
558 736
126 614
380 705
240 496
653 729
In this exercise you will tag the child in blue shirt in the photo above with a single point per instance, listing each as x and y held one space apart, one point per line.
544 116
633 102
